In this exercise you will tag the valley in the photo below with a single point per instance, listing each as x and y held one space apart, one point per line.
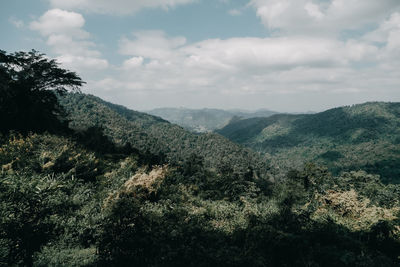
85 182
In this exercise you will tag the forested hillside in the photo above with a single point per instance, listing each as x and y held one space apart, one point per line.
89 183
365 137
205 120
151 134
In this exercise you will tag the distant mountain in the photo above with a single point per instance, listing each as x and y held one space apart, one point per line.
365 136
205 120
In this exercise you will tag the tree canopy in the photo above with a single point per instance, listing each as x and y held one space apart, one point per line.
29 84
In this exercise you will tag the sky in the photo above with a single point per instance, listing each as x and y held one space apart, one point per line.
283 55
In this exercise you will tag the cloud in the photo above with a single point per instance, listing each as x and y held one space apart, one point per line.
150 44
238 54
387 35
67 38
242 67
385 29
122 7
56 21
16 22
259 54
321 17
312 71
306 55
132 63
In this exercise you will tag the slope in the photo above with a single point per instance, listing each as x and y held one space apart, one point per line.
158 137
364 136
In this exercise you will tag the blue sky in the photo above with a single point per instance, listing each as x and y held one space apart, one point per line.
286 55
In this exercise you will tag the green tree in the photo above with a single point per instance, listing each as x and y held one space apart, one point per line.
30 210
29 84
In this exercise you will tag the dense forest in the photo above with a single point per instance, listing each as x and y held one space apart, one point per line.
90 183
359 137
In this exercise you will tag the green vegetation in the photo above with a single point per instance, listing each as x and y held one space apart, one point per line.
117 211
28 83
123 188
168 142
360 137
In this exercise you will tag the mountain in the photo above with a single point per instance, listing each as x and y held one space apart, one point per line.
365 136
124 188
205 120
158 137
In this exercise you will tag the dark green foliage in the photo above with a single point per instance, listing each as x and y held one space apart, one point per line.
344 139
331 155
30 208
168 233
29 84
195 217
165 141
242 131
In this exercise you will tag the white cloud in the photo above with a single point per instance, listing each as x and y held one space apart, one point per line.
237 54
394 40
243 68
67 38
132 63
314 11
389 26
116 6
56 21
16 22
387 35
82 63
150 44
320 16
277 53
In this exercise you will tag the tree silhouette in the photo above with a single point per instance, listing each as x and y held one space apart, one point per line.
29 84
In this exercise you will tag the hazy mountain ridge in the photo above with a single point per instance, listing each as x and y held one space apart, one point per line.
205 120
363 136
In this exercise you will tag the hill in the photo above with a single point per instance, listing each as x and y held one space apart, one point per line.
159 137
364 136
205 120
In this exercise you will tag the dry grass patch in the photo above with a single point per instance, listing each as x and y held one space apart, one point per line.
352 210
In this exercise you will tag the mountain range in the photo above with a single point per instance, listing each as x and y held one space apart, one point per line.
205 120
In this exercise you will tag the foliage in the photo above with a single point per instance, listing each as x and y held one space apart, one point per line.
343 139
30 207
29 84
156 137
186 215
